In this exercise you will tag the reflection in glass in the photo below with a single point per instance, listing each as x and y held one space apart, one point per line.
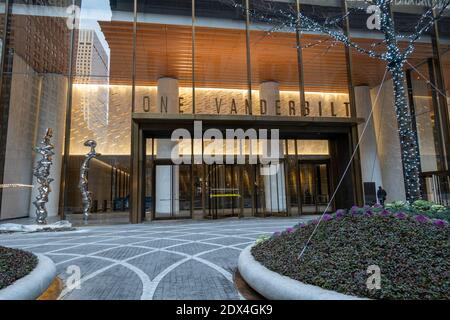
101 100
425 119
312 147
315 190
34 98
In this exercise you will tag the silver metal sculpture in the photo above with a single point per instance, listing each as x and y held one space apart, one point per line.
42 173
83 185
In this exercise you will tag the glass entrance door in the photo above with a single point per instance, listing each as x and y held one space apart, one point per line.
293 179
247 186
314 186
223 191
172 192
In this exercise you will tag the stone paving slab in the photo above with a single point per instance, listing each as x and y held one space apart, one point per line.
228 241
161 243
108 286
87 266
194 248
122 253
157 260
194 280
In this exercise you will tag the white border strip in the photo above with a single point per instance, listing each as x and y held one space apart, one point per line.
274 286
34 284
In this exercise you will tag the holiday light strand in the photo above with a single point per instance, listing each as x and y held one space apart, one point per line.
419 31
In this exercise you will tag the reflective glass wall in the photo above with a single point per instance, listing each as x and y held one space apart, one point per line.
101 101
224 61
83 68
444 42
35 85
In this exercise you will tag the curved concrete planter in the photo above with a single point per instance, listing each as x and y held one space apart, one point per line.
274 286
32 285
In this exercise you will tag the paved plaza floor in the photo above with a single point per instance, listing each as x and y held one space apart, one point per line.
158 260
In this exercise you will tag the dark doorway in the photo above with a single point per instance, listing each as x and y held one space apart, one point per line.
314 186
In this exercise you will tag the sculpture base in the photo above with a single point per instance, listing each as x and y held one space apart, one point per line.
57 226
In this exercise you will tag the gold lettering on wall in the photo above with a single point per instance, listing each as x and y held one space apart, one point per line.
103 112
226 101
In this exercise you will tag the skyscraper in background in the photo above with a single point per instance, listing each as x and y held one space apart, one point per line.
92 69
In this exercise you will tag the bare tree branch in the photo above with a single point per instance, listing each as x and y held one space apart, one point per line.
290 19
426 21
312 25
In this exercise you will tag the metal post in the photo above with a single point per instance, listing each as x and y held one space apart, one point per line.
193 56
66 155
301 79
249 65
133 75
356 165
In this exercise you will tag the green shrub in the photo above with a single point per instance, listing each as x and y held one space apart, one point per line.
397 206
262 238
427 208
424 205
443 215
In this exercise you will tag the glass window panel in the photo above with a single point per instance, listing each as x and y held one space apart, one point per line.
2 24
165 148
422 92
220 59
425 118
274 59
164 57
444 33
312 147
366 71
101 103
324 65
34 98
292 180
291 147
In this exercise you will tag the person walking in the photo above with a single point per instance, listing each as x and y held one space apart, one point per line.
381 195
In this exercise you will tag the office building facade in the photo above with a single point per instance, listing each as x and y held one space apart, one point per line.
128 74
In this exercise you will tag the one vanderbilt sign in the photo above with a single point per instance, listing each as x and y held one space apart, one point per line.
316 105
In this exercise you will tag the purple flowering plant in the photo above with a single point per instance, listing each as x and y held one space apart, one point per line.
439 223
366 211
401 215
421 218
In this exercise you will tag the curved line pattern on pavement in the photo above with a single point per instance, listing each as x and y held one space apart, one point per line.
214 244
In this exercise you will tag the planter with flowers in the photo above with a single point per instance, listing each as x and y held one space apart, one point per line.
411 250
23 275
